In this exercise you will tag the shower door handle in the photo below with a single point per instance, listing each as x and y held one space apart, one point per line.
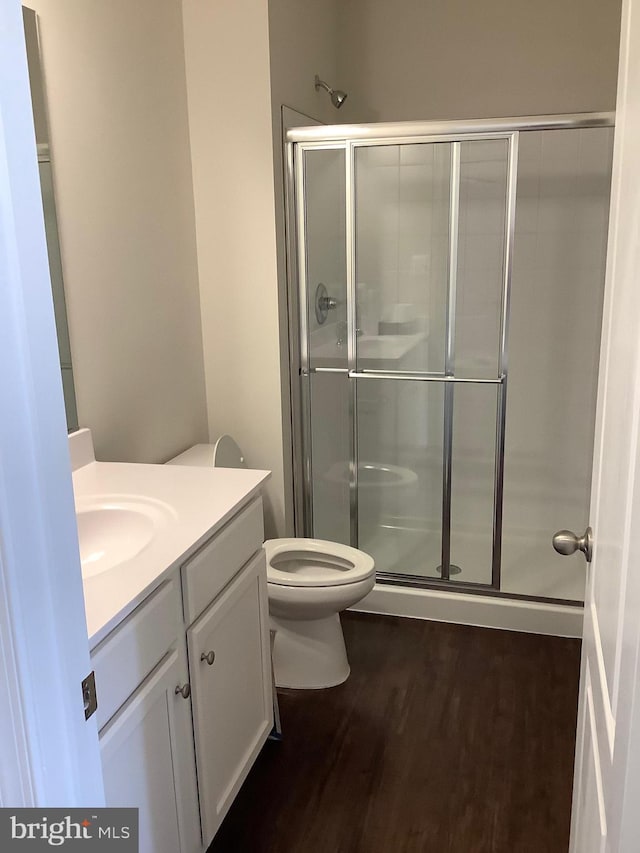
566 542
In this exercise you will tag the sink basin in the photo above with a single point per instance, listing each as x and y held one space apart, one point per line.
115 529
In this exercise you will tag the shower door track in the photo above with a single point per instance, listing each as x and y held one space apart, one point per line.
350 138
404 131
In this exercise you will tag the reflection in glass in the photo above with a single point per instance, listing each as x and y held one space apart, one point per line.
330 454
480 268
49 208
324 175
473 464
402 237
57 287
400 451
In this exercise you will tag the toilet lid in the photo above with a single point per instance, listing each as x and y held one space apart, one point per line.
315 562
227 454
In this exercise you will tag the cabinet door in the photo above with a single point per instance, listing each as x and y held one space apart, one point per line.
148 761
232 704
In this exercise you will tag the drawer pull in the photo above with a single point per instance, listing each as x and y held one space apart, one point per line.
184 691
209 657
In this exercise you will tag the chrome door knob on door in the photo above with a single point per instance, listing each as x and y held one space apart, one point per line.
566 542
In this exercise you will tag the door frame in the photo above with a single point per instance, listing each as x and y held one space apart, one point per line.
50 753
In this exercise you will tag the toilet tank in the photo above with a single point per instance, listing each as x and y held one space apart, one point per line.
225 453
199 454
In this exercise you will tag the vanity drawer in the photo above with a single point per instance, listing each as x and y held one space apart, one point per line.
128 654
210 570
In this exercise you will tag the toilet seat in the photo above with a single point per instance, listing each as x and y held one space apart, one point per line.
315 563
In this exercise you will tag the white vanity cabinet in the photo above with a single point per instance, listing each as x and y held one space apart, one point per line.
229 661
144 715
155 704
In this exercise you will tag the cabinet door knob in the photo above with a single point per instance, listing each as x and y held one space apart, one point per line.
184 691
209 657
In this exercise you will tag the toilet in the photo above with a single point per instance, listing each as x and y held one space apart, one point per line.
309 582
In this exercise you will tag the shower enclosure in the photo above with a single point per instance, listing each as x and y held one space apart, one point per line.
446 285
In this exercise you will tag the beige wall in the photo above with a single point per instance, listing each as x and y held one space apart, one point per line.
267 54
303 43
227 61
412 59
114 75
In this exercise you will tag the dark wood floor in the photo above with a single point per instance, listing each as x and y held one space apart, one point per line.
445 739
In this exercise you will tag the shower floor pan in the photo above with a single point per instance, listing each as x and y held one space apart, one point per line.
406 550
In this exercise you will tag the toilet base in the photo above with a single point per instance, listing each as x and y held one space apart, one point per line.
309 654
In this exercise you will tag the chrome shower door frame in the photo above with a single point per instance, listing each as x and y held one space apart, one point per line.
300 371
349 138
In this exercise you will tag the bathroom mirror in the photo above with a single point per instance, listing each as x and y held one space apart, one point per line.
49 208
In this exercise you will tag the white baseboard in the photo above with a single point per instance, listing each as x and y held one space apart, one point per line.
533 617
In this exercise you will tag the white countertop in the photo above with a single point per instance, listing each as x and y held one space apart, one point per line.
200 500
373 351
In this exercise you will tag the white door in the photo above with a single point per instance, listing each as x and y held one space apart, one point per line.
49 752
230 666
147 761
606 803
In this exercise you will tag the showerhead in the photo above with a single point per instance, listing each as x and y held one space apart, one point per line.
337 96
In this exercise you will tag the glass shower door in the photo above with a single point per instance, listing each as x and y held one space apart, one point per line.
430 245
405 247
400 473
322 271
402 213
401 264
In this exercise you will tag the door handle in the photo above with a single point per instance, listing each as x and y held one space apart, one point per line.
209 657
566 542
